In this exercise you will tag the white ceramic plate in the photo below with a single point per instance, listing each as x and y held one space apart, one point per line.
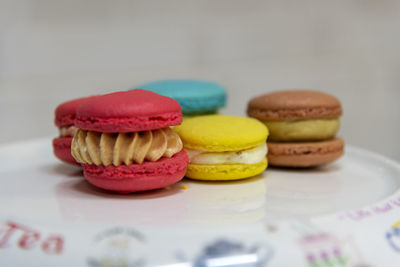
38 188
37 185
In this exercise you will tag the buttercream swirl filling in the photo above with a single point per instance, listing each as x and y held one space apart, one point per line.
124 148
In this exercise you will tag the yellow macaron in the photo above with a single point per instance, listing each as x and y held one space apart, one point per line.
222 147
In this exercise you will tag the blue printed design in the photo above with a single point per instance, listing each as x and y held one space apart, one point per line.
393 237
229 254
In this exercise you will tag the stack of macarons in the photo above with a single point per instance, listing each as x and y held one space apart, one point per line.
125 144
123 140
303 125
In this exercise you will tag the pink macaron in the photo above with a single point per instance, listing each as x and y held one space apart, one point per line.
64 119
124 141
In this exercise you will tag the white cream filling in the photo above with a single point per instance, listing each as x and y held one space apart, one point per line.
247 156
67 131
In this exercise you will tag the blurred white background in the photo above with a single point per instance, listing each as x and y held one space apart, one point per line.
52 51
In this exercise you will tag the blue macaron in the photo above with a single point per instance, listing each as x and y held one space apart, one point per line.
195 97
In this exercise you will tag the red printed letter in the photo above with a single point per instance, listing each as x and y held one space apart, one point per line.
5 234
53 245
28 239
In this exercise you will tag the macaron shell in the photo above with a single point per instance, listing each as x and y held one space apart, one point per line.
220 172
304 154
202 106
195 97
138 177
221 133
294 105
65 112
62 149
130 111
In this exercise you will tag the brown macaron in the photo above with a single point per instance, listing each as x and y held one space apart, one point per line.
303 125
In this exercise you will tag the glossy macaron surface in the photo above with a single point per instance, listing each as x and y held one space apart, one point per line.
195 97
128 111
65 112
294 105
221 133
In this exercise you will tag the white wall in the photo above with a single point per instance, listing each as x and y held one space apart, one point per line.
51 51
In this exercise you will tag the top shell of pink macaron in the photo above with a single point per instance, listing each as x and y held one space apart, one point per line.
128 111
65 112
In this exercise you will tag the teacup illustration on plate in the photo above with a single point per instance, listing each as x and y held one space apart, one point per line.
393 237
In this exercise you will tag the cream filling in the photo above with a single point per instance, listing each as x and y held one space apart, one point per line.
124 148
67 131
247 156
302 130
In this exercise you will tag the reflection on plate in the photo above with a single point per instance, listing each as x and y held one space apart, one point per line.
58 192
